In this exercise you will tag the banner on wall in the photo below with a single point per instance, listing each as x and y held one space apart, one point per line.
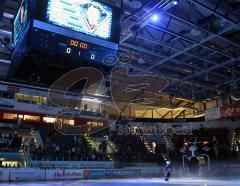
94 174
152 171
7 103
73 164
119 173
27 174
4 174
13 89
212 114
64 174
230 111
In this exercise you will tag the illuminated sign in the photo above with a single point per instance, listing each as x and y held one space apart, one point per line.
20 21
85 16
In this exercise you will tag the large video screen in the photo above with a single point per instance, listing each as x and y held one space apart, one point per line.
86 16
20 20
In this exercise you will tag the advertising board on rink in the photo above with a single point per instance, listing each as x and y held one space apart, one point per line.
27 174
64 174
121 173
4 174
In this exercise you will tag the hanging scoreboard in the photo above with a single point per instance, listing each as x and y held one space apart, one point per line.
83 30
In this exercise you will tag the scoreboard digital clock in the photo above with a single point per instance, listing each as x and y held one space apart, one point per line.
77 49
78 44
87 51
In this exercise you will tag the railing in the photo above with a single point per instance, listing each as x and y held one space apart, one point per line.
29 107
95 145
146 143
72 164
25 159
112 146
169 146
143 165
168 142
234 139
91 143
37 137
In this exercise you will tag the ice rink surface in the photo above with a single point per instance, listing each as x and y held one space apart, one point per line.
137 182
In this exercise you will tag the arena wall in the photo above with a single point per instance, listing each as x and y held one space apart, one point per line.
29 174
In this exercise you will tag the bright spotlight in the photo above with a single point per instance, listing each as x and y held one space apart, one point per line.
155 17
175 2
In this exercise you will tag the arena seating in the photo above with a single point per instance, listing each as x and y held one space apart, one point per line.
64 147
132 149
10 142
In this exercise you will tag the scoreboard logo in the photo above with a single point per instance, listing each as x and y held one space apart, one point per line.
85 16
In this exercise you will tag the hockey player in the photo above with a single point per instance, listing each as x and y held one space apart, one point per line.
167 170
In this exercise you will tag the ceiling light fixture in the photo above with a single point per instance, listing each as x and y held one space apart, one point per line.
155 17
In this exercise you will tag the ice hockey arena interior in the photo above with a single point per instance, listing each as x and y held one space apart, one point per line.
120 92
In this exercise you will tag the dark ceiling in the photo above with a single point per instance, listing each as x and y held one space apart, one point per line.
194 44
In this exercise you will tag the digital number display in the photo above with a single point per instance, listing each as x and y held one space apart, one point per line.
78 44
91 56
77 50
85 16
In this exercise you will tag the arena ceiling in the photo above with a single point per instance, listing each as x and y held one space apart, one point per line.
194 44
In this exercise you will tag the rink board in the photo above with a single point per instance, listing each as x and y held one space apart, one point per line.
86 174
134 182
78 174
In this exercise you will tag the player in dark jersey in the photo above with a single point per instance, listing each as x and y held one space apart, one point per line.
167 170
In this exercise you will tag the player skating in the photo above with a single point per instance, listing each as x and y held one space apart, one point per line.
167 170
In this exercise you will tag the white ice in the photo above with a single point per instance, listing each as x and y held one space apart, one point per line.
137 182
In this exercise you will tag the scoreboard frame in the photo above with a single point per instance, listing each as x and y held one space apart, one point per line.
86 44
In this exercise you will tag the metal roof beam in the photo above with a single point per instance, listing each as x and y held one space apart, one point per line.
150 53
165 115
214 12
205 71
208 38
161 56
218 85
201 28
179 113
191 41
192 55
